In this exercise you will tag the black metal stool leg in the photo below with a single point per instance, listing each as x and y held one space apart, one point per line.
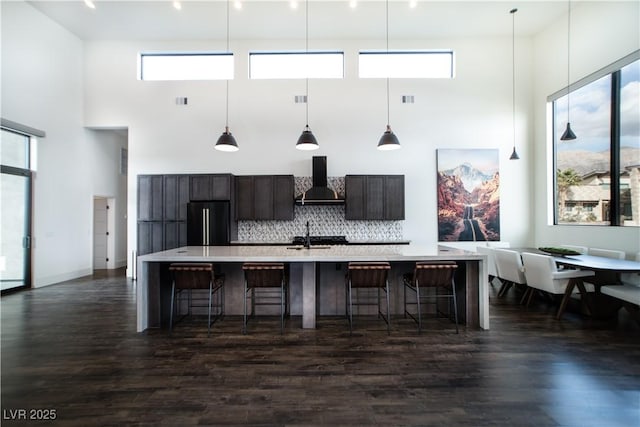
173 295
455 303
244 317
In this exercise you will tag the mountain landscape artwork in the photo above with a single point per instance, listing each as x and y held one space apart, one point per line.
468 195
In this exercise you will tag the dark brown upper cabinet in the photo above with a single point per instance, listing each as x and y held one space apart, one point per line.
210 187
176 197
264 197
150 197
374 197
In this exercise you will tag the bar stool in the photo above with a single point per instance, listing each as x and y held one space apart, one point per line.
189 276
367 275
437 275
263 275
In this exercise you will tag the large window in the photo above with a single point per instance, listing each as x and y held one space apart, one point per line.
17 149
186 66
597 175
296 65
406 64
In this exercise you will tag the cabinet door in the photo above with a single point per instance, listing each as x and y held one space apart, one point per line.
394 197
354 188
150 198
176 197
150 237
210 187
263 197
200 188
374 197
244 197
221 187
283 197
175 234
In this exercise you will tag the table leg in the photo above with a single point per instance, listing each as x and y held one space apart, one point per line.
309 295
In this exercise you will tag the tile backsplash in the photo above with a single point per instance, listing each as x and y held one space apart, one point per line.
323 221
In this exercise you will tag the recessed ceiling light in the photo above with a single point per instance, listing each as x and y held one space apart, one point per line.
90 4
237 4
353 4
177 5
293 4
413 4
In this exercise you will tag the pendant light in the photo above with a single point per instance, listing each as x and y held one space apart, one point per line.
514 155
568 134
227 142
307 141
389 140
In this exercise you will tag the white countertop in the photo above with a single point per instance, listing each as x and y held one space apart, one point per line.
337 253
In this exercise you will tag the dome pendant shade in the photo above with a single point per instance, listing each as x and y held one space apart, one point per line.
514 155
307 141
389 140
568 134
226 142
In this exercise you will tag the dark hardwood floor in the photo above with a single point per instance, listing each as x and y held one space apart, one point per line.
71 350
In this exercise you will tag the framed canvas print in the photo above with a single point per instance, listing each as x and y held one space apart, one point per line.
468 194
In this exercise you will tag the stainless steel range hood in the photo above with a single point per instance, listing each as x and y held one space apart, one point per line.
319 193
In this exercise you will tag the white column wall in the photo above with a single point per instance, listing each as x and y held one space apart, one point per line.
43 87
601 33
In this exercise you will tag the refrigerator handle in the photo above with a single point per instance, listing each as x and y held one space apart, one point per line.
207 230
204 227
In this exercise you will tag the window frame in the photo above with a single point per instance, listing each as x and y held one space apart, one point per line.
614 70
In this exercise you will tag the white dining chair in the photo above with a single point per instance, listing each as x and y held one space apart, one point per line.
542 274
509 268
607 253
582 249
628 291
631 278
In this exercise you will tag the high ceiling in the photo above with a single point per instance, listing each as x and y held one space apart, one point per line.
328 19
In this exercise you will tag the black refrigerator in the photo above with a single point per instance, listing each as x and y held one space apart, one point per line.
208 223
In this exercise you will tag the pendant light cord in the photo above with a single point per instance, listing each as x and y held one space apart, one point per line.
387 59
513 60
227 94
568 59
306 58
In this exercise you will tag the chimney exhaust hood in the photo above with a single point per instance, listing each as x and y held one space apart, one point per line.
319 193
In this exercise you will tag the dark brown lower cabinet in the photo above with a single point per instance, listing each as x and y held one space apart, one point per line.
150 237
175 234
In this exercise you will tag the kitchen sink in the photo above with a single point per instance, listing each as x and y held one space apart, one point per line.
297 248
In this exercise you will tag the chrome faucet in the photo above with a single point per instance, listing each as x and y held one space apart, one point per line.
307 238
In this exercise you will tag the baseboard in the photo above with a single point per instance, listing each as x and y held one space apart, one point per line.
39 282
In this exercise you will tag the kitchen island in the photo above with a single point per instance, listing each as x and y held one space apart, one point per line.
153 280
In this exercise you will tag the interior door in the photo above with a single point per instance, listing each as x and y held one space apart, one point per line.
100 233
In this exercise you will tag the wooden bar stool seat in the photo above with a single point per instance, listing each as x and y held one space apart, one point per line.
367 275
269 276
186 277
437 275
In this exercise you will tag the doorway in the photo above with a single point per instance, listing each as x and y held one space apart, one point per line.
100 233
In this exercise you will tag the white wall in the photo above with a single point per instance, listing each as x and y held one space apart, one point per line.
348 116
601 33
109 183
43 87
